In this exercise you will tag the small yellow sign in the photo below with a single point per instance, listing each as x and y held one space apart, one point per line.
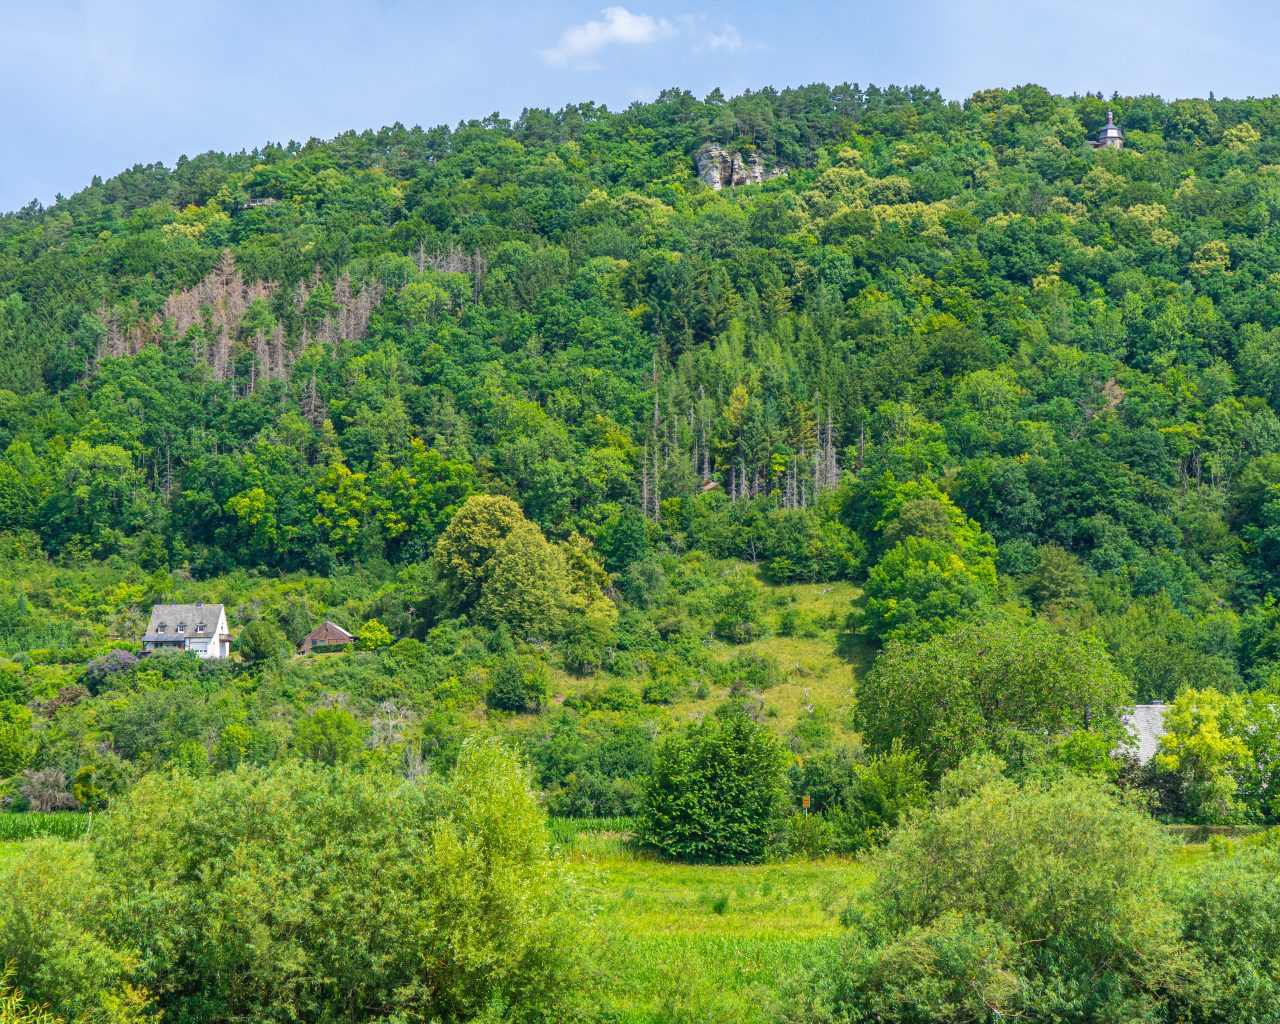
804 801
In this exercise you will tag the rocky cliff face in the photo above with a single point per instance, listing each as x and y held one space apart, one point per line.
720 167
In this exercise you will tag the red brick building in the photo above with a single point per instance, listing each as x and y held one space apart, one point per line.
326 635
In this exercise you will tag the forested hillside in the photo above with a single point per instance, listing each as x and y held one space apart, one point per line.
807 481
954 365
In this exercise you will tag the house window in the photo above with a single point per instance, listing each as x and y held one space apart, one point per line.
182 627
199 627
162 627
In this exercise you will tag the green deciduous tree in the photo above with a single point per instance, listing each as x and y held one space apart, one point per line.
1230 909
262 643
516 684
716 791
307 893
52 906
878 795
374 635
1012 687
330 736
738 610
1206 750
1028 903
527 588
921 588
15 1009
469 543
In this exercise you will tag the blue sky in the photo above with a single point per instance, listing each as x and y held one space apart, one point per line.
92 86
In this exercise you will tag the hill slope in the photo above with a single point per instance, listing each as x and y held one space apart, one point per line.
272 379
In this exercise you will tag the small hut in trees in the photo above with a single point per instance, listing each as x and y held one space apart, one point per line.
325 636
1145 724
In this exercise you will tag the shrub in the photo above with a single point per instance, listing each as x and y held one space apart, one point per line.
666 689
330 736
262 643
738 611
50 905
753 671
615 697
518 685
1024 903
793 622
99 671
806 835
716 791
14 1009
46 790
1230 911
373 636
879 795
299 893
813 731
583 641
17 743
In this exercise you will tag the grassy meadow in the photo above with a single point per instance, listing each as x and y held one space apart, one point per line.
818 669
699 943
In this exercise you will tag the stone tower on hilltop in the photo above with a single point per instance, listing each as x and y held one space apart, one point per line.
1110 137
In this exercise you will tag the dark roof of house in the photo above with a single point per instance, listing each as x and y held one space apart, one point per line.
195 620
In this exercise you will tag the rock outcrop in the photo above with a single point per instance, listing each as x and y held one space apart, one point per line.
720 167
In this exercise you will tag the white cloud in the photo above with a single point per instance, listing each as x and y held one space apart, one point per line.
617 26
706 35
727 38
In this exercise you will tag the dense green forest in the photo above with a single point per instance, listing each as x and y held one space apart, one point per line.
908 471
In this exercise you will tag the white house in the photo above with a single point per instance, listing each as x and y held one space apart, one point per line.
199 628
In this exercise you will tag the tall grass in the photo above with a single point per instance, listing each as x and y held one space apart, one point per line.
62 824
566 830
699 944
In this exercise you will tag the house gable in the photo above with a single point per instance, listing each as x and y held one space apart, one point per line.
199 628
327 634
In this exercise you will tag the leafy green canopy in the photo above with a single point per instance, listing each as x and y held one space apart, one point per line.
302 893
1219 756
1019 689
716 791
1037 903
1050 902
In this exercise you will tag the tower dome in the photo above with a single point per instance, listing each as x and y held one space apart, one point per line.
1110 137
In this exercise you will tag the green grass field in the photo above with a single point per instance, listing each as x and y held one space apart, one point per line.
696 943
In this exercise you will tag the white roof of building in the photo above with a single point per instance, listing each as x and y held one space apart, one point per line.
1146 725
